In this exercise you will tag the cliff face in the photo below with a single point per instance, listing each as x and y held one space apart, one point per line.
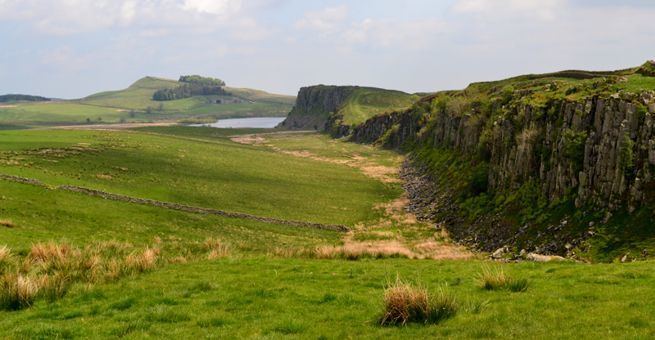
596 153
315 105
336 109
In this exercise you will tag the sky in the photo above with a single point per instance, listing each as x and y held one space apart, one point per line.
73 48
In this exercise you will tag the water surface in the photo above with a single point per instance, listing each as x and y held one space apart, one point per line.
236 123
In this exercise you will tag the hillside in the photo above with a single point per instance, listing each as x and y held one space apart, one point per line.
560 163
143 262
136 104
337 108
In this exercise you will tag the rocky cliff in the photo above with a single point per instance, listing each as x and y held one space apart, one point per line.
315 105
536 163
336 109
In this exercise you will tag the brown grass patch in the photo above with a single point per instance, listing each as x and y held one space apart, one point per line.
17 291
404 303
7 223
217 249
5 254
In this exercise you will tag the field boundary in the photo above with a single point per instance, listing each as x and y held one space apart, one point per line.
172 206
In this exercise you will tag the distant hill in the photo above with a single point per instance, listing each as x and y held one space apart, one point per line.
8 98
136 103
336 108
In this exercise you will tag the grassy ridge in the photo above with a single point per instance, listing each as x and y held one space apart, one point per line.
365 103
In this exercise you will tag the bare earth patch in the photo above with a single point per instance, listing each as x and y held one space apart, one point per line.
382 173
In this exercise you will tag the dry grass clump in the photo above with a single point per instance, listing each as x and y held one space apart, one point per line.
7 223
405 303
494 278
17 291
217 249
142 262
358 250
5 254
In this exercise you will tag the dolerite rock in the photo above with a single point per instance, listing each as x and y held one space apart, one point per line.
599 152
616 143
315 105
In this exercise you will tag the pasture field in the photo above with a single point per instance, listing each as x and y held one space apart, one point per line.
265 297
224 277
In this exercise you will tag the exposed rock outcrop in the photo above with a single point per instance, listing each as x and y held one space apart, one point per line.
598 152
315 105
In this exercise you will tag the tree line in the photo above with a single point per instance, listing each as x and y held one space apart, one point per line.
192 85
22 97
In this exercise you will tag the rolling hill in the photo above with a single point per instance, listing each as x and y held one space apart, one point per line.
135 104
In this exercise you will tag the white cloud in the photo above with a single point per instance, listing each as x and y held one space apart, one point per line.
543 9
335 28
389 33
325 21
216 7
66 17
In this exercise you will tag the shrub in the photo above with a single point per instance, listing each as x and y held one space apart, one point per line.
494 278
405 303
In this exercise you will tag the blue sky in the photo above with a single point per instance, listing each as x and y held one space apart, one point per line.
72 48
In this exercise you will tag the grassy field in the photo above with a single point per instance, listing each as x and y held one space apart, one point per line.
268 281
135 104
278 298
206 172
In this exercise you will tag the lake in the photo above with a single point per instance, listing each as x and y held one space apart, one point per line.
234 123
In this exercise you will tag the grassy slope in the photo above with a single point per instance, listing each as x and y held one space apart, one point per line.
112 106
365 103
252 295
43 215
262 297
202 171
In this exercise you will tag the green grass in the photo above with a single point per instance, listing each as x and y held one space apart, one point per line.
324 146
637 83
365 103
252 293
261 297
212 173
132 103
41 215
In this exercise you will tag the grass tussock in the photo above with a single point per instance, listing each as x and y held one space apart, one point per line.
216 248
405 303
495 278
7 223
17 291
5 254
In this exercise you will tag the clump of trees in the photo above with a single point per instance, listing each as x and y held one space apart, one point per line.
203 81
192 85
